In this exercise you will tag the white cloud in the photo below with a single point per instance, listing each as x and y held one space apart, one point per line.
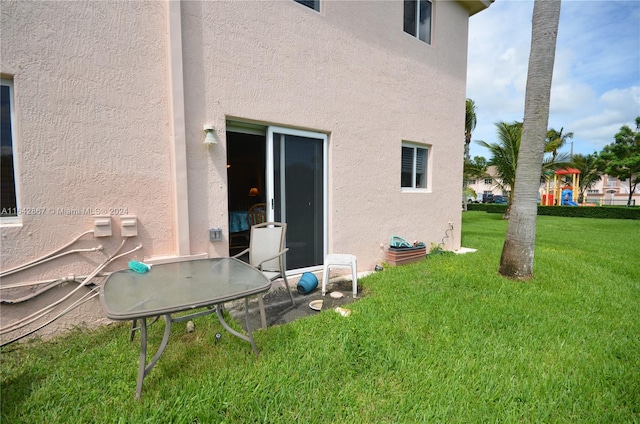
570 97
596 75
617 107
626 97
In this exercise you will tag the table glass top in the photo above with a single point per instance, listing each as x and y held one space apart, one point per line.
179 286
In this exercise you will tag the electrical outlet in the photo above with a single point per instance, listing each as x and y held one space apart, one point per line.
215 234
102 226
129 226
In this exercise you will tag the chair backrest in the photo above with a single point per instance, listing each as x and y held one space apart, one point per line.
267 240
257 214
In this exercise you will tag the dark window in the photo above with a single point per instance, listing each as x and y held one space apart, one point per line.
312 4
7 171
417 19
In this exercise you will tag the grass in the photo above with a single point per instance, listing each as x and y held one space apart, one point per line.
443 340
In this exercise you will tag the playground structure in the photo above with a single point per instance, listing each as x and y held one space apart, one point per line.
567 197
561 195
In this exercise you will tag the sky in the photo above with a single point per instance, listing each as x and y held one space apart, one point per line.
596 77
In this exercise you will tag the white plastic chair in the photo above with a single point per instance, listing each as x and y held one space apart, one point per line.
340 260
266 252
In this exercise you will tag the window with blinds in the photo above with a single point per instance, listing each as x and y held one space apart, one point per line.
414 166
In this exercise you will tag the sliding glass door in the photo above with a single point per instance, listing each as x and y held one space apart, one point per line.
296 192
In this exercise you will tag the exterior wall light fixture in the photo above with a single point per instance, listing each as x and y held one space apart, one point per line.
210 135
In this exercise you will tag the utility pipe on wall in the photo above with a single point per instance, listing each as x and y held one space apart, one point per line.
66 279
178 133
92 293
42 258
50 258
39 314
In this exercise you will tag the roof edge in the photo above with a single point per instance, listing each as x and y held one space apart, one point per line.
476 6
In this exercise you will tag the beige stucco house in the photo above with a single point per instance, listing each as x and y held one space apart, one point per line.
491 184
612 191
346 118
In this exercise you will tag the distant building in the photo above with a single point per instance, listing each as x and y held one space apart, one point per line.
608 191
611 191
487 187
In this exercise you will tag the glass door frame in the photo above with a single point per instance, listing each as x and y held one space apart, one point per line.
270 189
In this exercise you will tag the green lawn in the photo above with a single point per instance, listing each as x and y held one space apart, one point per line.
443 340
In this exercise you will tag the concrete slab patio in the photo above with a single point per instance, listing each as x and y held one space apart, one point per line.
278 308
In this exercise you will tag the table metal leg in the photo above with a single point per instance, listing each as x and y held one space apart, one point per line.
248 338
143 368
143 355
134 327
263 317
249 332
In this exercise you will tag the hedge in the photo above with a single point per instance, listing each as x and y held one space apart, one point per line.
487 207
601 212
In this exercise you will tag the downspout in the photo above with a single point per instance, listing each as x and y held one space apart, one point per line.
177 129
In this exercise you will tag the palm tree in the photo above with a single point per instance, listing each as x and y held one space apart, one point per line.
589 174
475 168
555 141
504 157
469 126
516 260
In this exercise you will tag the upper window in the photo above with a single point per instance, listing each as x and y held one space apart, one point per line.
312 4
9 204
417 19
414 166
488 181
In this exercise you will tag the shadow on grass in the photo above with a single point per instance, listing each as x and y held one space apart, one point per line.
15 391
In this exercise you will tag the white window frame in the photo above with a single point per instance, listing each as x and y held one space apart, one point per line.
427 167
420 34
12 220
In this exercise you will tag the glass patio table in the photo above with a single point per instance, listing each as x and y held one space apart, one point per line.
176 287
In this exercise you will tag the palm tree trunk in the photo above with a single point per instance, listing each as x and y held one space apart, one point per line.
467 151
467 159
519 245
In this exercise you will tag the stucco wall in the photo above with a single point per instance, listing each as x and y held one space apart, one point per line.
94 119
91 132
353 74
